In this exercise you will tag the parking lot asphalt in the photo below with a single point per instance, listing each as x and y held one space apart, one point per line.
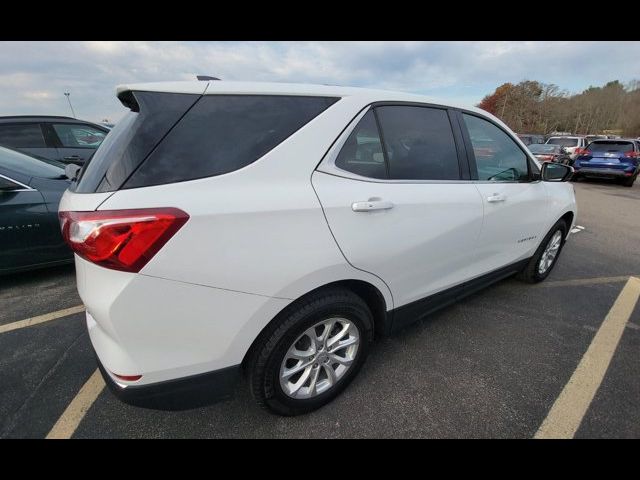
491 365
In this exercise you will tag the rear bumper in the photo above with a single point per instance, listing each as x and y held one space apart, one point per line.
180 394
603 172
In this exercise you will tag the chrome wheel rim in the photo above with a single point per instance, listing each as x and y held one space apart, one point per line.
319 358
550 253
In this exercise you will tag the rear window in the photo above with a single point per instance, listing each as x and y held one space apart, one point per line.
565 142
132 139
223 133
613 147
544 148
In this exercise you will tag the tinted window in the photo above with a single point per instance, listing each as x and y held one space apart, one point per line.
78 135
223 133
132 139
24 135
498 157
613 147
419 143
362 152
27 165
565 142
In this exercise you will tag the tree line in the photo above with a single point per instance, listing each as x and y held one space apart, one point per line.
535 107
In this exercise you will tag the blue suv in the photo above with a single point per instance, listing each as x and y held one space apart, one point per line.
619 159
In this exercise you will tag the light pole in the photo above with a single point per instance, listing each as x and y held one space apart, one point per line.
67 94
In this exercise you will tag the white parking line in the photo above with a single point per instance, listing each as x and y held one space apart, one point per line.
77 409
40 319
583 281
569 409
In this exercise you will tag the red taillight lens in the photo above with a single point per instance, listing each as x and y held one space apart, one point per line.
632 154
128 378
580 151
120 239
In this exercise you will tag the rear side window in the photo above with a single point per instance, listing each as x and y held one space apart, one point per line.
498 157
362 152
419 143
23 135
78 136
223 133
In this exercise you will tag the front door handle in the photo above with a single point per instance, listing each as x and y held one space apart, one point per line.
72 158
496 197
371 205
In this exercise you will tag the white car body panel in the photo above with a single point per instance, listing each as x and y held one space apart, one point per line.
424 244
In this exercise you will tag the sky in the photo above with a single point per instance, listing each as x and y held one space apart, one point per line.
35 75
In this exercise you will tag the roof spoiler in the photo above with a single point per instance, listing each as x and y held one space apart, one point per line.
128 99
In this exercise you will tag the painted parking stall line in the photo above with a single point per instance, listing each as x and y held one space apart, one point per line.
569 409
47 317
78 408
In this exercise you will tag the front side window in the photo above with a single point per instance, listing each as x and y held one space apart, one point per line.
22 135
362 152
498 157
77 135
419 143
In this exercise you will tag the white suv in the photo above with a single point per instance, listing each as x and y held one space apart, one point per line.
273 230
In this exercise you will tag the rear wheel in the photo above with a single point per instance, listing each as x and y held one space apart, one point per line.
546 256
308 357
628 182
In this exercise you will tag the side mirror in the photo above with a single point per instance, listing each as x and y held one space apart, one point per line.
556 172
71 171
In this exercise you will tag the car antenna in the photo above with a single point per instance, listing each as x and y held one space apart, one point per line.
206 77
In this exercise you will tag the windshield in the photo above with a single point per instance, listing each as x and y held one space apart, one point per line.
28 165
610 147
544 148
564 141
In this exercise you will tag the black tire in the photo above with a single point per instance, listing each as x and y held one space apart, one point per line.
530 273
628 182
263 366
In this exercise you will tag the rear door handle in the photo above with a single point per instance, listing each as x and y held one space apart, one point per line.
371 205
496 197
72 157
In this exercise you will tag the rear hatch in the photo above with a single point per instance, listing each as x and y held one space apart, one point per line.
610 154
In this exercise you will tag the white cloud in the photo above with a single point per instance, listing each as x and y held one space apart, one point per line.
34 75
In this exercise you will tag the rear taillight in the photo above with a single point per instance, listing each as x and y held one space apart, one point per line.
120 239
580 151
632 154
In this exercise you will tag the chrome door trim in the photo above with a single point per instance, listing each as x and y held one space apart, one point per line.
25 188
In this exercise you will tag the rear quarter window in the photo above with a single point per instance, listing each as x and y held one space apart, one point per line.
223 133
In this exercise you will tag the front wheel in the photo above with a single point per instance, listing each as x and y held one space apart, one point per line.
311 353
546 256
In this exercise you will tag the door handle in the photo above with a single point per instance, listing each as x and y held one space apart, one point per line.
72 157
496 197
371 205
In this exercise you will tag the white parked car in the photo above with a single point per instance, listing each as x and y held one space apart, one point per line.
574 145
273 230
